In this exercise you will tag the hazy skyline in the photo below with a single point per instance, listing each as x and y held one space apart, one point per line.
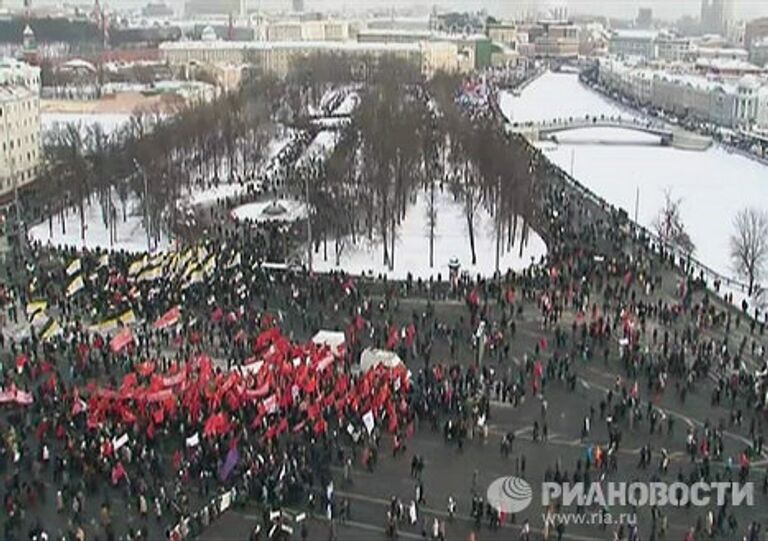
665 9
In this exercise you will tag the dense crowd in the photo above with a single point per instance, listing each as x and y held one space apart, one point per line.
146 394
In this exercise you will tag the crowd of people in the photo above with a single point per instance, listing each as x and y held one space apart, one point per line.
144 395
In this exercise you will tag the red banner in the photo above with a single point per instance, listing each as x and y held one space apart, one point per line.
121 340
170 318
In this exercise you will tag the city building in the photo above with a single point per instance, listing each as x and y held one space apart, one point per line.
633 43
309 30
19 125
716 16
758 52
16 73
157 10
722 53
726 67
549 38
376 35
644 18
458 23
194 8
672 48
503 33
756 40
441 56
754 31
729 102
593 39
278 57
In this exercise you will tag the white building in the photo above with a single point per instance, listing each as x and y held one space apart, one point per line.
733 103
672 48
19 124
279 57
15 72
633 43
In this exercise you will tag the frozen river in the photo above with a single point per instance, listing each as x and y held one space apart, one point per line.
714 185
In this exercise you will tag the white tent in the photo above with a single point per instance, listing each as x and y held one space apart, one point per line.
332 339
371 358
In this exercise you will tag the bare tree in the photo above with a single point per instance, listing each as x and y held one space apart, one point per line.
749 244
669 224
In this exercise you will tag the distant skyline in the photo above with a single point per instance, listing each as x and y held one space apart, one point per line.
663 9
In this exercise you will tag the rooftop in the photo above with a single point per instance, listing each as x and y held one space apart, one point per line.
727 64
635 34
14 93
276 45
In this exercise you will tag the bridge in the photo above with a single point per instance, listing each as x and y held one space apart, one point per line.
547 130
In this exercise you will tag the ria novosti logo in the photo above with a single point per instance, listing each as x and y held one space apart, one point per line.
510 494
513 494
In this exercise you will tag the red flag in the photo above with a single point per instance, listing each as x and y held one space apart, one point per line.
170 318
172 381
260 392
21 361
121 340
23 398
159 396
394 337
146 368
118 473
473 298
393 422
321 426
410 335
130 381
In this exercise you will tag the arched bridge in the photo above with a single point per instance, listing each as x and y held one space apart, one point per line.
542 131
545 130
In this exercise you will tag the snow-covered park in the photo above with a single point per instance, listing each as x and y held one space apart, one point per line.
130 234
451 241
109 122
273 210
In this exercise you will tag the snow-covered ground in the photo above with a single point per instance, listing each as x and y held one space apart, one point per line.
131 235
348 105
211 194
320 147
556 95
110 122
714 185
263 211
451 241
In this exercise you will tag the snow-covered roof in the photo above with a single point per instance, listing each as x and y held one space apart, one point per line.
727 64
345 46
635 34
79 63
208 34
14 93
399 32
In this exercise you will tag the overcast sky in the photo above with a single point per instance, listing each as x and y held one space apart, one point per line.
667 9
